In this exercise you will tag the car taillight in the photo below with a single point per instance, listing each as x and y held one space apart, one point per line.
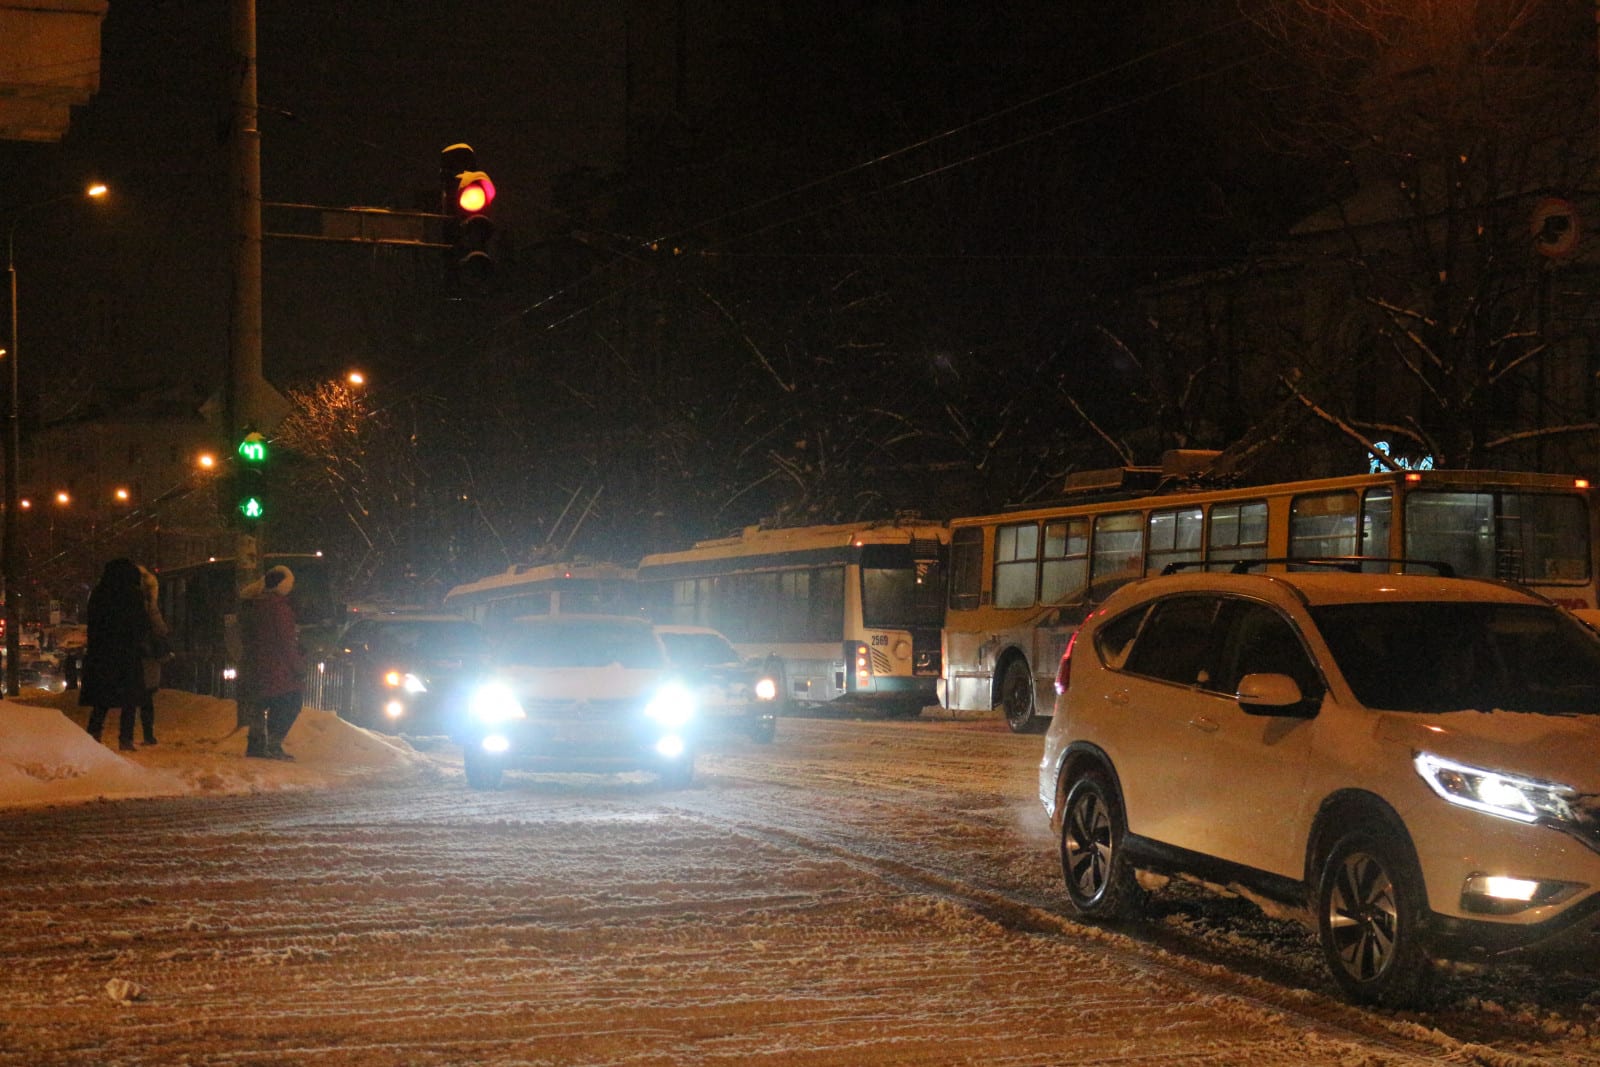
1064 672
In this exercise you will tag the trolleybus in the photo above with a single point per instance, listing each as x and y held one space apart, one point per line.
576 588
845 614
200 603
1021 581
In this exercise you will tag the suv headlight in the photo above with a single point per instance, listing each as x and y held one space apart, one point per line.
495 702
671 706
1506 795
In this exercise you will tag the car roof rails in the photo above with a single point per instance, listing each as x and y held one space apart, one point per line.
1348 564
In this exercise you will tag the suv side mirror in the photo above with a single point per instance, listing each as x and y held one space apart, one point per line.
1269 694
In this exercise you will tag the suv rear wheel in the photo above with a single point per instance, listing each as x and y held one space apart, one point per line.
1100 880
1370 917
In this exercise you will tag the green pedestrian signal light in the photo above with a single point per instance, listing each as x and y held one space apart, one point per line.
249 475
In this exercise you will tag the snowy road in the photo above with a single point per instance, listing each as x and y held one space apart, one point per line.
857 893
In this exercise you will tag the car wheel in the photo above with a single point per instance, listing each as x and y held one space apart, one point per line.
1371 918
483 770
678 774
1016 698
1094 862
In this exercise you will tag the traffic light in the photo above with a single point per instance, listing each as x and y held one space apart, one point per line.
250 469
466 194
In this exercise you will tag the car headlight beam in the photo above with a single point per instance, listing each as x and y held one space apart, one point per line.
1509 796
672 706
494 702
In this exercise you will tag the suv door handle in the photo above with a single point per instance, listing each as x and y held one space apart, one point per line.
1117 696
1205 725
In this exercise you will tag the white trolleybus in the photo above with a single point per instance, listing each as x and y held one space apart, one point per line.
846 614
1020 582
575 588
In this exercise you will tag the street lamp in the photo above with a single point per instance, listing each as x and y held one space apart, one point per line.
13 445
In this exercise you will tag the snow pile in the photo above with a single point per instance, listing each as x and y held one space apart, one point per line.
46 757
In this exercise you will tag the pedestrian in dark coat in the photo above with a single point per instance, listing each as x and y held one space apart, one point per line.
157 651
113 664
271 668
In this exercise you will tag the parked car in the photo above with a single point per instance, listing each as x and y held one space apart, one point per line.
41 674
1416 758
402 669
735 695
578 692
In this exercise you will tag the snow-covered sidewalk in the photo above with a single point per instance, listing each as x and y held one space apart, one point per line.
46 757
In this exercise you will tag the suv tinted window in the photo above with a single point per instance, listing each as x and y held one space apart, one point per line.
1113 639
1261 641
1439 656
1177 640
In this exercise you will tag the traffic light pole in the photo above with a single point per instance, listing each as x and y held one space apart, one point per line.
244 350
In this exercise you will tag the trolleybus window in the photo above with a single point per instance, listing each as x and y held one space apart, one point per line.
966 567
1016 565
1118 552
1238 531
898 591
1174 537
1322 524
1531 537
1065 570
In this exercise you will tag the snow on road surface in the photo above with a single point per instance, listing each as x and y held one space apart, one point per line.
857 893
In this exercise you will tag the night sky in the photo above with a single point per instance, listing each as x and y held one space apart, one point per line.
775 103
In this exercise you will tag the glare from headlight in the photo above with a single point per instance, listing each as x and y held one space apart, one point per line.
495 702
671 706
391 679
1505 795
412 684
671 746
394 709
496 743
766 689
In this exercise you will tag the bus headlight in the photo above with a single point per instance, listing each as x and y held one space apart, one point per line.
671 706
495 702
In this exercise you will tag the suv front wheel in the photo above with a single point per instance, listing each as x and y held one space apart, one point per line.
1370 917
483 770
1100 879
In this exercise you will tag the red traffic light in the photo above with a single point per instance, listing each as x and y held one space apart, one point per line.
475 193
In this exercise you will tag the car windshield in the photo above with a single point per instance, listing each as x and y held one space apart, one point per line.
1443 656
422 638
574 643
691 651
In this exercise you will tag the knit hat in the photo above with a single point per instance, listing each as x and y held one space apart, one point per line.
279 580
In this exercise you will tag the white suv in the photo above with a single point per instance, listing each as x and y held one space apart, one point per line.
1416 758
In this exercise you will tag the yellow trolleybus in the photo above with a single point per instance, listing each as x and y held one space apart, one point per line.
845 614
1021 581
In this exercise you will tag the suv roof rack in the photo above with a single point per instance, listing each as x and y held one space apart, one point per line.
1349 564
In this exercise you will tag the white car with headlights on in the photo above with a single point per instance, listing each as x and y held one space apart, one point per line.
1414 758
577 692
734 695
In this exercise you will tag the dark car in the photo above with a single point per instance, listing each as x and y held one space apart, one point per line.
736 695
578 692
402 669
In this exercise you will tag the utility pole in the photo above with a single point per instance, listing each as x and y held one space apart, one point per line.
244 348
